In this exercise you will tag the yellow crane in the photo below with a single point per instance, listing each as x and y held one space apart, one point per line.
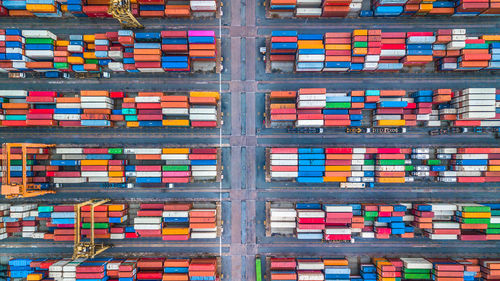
87 249
24 189
120 10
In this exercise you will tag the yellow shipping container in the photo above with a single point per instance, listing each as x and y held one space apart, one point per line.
41 8
391 122
175 231
89 38
310 44
360 51
132 124
95 93
175 151
337 47
387 279
116 207
175 122
491 37
494 168
336 262
94 162
75 60
64 8
215 95
116 180
35 276
62 43
116 174
391 180
334 179
337 168
89 55
425 7
476 215
91 46
360 32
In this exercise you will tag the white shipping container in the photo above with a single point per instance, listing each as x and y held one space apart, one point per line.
309 123
94 174
284 156
338 231
311 104
39 54
174 156
203 235
96 105
31 33
203 110
443 236
204 173
143 151
284 163
66 117
68 105
309 265
367 234
203 117
142 226
280 224
311 97
308 12
175 111
85 99
147 99
116 66
175 214
204 168
13 93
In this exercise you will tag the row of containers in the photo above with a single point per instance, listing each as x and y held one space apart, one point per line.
120 51
99 8
319 107
382 8
361 167
350 222
20 108
172 268
377 50
170 221
382 268
149 167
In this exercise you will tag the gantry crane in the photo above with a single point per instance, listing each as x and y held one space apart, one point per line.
120 10
87 249
24 189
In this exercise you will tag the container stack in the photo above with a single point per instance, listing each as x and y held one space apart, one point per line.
63 217
392 49
39 44
416 268
202 46
447 268
423 217
493 230
203 269
337 51
310 221
203 109
475 104
443 227
386 269
283 48
310 103
359 49
490 269
203 164
337 269
42 105
338 222
311 165
176 269
383 8
150 269
308 9
147 51
97 106
390 109
4 217
282 220
311 53
473 219
176 221
282 108
283 269
148 222
310 269
203 223
175 110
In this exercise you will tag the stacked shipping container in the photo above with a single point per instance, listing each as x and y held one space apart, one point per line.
374 50
404 268
169 221
358 167
382 8
158 268
342 222
43 51
78 165
472 107
99 8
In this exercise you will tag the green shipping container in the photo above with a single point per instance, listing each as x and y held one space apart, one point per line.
360 44
338 105
39 41
20 162
474 221
371 214
391 162
115 150
434 162
493 231
409 168
91 61
417 276
61 65
493 225
369 162
97 225
495 212
175 168
476 209
416 270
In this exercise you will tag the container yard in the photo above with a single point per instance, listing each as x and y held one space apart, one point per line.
216 140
